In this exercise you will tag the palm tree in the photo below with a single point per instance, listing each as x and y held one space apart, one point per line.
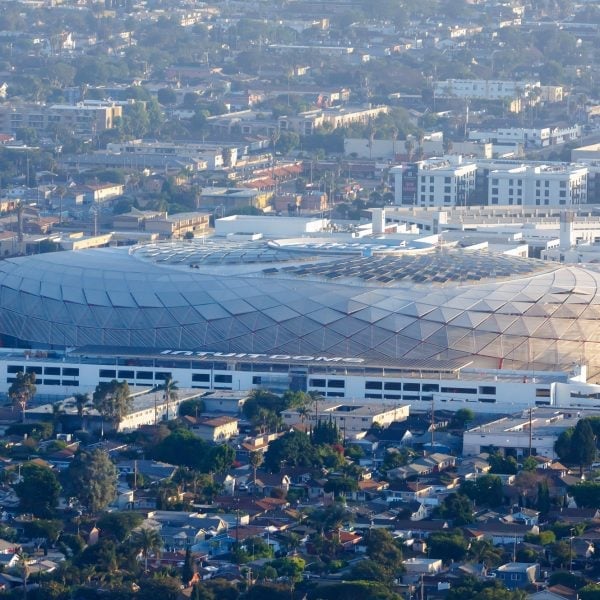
80 401
147 540
316 397
256 459
24 566
169 388
57 411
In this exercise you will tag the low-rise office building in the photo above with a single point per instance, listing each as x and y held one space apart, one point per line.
516 435
351 419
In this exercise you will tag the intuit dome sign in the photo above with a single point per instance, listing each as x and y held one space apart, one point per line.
276 357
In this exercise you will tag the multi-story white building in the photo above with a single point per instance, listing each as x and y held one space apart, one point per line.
448 182
536 137
540 185
437 182
84 117
484 89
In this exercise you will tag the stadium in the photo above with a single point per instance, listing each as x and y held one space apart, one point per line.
375 305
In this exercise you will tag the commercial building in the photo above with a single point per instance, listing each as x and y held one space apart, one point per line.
516 435
274 227
351 418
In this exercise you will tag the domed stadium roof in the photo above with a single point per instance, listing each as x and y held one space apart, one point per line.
257 298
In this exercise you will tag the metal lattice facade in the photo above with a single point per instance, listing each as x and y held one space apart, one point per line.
539 316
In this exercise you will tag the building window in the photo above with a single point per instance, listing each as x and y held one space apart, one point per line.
110 373
393 385
200 377
317 383
223 378
373 385
336 383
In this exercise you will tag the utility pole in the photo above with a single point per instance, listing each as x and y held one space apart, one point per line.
530 431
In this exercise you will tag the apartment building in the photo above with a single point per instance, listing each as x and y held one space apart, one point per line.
540 185
84 117
448 182
305 123
437 182
483 89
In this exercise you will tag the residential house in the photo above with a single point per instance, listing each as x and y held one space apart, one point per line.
407 491
515 575
150 470
216 429
180 529
422 566
419 529
267 482
576 515
503 533
527 516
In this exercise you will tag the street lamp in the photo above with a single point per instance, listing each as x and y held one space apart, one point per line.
571 550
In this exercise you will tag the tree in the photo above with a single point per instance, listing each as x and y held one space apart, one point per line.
160 586
383 550
325 432
22 390
147 541
166 96
187 570
448 546
563 553
119 524
543 498
92 480
47 529
169 389
485 490
586 494
112 400
191 408
457 507
583 444
505 465
256 459
462 416
529 464
591 591
562 446
294 448
80 402
39 490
